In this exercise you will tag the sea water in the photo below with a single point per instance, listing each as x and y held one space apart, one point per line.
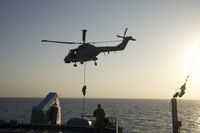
134 115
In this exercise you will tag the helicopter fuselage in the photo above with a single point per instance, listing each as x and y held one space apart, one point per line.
88 52
85 52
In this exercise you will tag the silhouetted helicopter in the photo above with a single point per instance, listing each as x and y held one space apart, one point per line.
87 52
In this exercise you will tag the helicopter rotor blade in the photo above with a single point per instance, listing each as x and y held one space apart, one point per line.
120 36
125 32
104 41
61 42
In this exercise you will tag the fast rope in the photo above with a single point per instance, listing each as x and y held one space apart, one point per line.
84 89
183 87
193 59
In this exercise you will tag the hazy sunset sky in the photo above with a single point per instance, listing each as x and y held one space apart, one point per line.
167 33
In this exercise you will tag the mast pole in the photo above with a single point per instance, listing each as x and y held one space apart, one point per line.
175 122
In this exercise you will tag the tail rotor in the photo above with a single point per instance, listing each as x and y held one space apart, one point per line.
123 37
124 34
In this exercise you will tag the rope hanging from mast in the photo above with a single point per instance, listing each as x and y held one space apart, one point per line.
193 59
183 87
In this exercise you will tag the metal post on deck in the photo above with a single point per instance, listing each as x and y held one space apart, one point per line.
175 122
116 124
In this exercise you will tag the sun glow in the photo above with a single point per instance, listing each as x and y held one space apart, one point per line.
194 62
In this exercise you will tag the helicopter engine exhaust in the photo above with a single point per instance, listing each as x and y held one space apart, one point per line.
84 34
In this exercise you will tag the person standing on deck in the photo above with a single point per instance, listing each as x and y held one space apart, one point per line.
100 119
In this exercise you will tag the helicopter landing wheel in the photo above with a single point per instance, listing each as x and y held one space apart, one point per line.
95 64
75 65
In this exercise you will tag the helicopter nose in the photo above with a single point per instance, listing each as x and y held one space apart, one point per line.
66 60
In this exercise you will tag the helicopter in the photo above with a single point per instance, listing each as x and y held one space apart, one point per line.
88 52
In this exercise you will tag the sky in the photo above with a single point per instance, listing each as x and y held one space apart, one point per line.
153 67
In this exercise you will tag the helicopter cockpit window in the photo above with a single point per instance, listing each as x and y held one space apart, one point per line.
73 53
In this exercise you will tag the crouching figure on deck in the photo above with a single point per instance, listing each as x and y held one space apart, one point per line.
100 119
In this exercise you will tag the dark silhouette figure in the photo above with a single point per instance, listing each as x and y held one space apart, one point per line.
100 119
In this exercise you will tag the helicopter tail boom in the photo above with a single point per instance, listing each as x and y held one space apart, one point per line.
119 47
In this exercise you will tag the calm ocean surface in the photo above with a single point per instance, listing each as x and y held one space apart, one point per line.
134 115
